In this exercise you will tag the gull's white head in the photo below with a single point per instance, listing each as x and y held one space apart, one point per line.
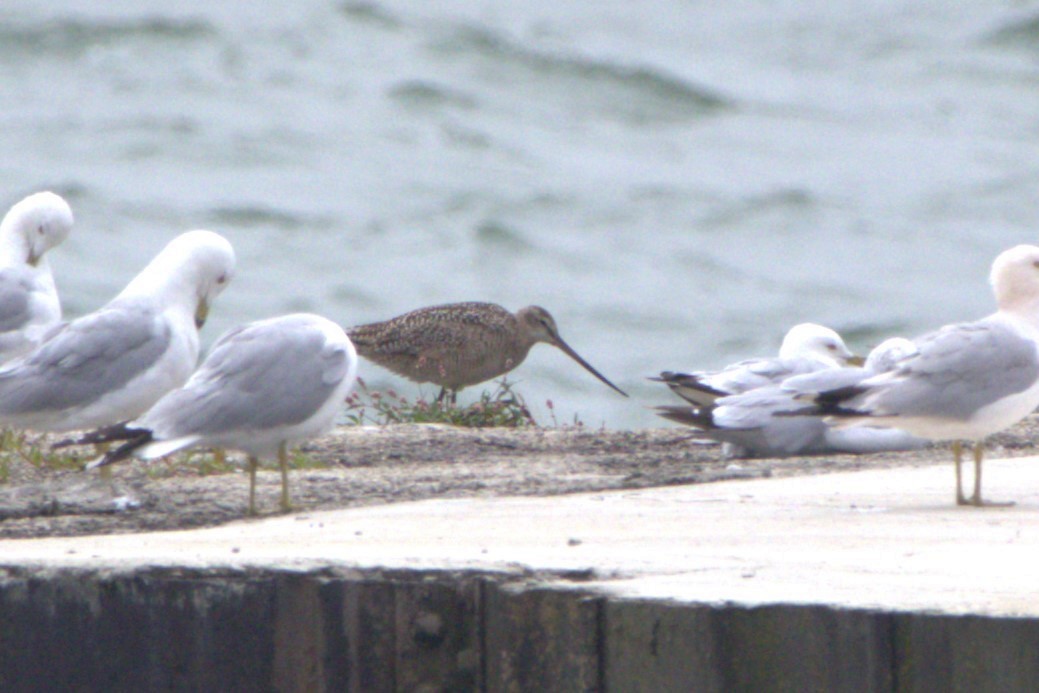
812 341
885 355
1015 279
33 226
195 267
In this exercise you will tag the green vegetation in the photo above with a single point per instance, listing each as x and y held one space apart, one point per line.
18 449
502 407
25 448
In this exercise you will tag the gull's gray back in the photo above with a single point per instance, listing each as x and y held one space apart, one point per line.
959 370
258 376
84 359
748 420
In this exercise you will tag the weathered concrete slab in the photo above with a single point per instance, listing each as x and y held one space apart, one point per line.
433 631
151 631
538 638
889 539
68 494
854 581
652 645
965 653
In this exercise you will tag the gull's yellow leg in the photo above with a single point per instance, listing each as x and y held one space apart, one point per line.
105 473
957 453
979 452
283 462
253 463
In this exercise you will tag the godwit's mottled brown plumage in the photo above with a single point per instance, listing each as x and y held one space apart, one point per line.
460 344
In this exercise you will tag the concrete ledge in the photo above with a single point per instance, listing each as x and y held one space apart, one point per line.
854 581
70 630
429 631
652 646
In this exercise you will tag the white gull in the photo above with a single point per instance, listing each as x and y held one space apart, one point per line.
752 424
29 304
966 381
115 363
263 387
807 347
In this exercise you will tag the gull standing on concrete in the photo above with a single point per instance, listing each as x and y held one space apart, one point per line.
460 344
751 424
263 387
29 304
967 381
115 363
806 348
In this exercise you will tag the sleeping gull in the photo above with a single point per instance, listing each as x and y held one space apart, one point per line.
29 305
748 426
967 381
115 363
806 347
263 387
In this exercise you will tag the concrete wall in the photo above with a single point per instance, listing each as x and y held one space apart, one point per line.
443 631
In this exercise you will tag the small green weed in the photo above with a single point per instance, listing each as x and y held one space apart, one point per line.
502 407
21 447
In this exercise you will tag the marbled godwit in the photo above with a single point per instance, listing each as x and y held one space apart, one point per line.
460 344
29 305
263 387
967 381
806 347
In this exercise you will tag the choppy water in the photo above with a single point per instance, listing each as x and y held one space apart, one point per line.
678 182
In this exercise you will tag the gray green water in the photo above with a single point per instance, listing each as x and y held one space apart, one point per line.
678 182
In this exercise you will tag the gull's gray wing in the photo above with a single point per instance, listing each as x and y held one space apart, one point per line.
748 420
257 376
690 387
756 373
959 370
704 387
16 284
85 359
825 380
784 438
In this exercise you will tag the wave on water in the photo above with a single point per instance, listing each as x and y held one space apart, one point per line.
257 216
637 93
752 208
499 234
72 37
369 13
1023 31
424 93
